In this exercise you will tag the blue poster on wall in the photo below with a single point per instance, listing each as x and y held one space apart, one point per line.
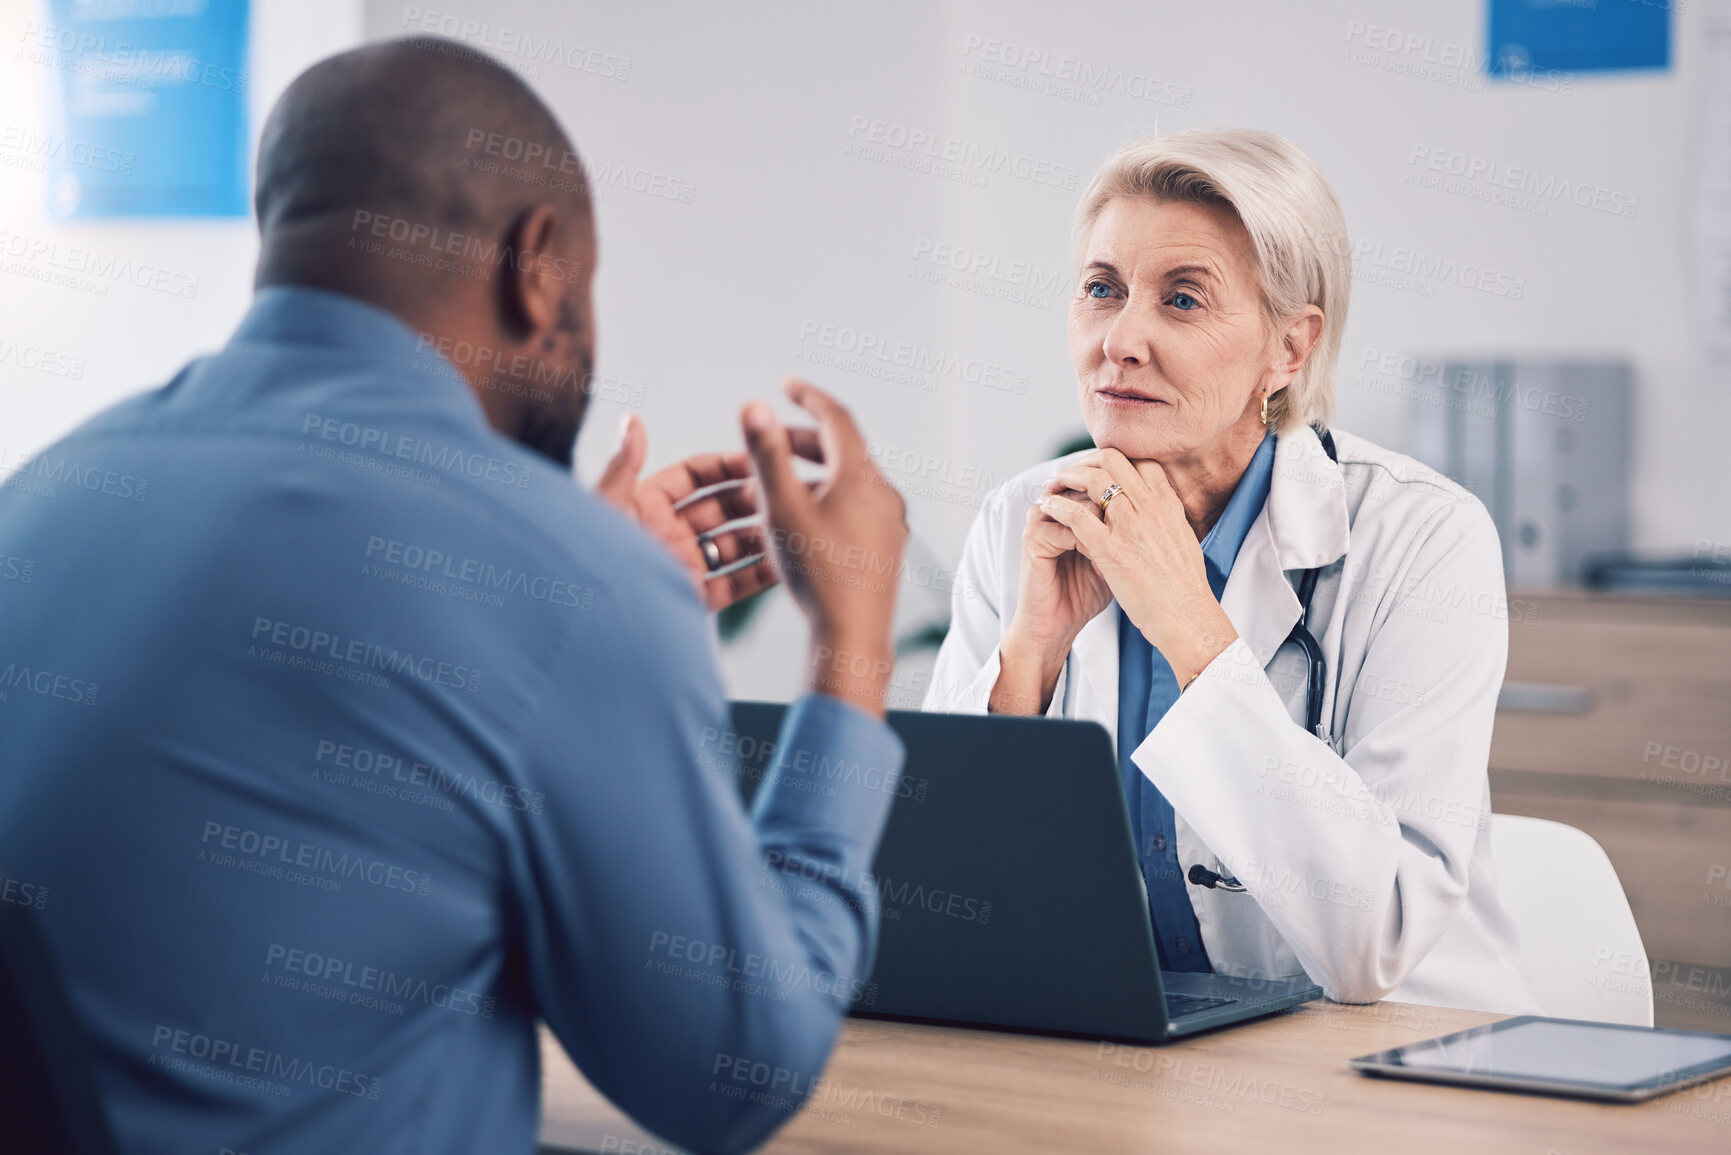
151 106
1557 36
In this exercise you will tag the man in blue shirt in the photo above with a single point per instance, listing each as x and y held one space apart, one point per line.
342 736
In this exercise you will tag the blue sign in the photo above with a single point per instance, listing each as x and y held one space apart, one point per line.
151 118
1556 36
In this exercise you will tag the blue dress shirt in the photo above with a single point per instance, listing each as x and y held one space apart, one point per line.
1146 690
342 739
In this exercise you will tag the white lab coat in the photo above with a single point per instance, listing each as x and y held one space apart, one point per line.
1367 865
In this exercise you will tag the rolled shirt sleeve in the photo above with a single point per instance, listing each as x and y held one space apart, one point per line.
697 961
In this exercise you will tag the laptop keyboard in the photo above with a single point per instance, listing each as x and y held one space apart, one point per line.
1177 1006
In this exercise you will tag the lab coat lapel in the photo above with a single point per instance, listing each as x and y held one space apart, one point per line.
1258 599
1302 525
1094 656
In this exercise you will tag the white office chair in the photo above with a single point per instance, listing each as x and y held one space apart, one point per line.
1581 952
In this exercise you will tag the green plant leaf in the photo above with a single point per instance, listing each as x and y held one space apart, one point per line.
731 621
1076 444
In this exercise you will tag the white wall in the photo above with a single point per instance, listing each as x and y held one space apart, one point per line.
130 338
703 304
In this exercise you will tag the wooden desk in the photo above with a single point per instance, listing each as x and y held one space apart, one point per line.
1281 1084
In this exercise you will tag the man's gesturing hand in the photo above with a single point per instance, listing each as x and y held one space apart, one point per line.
838 544
655 503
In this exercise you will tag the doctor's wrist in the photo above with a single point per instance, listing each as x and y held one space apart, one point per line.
1028 672
1196 649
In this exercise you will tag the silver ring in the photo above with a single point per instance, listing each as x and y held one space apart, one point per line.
711 553
1112 491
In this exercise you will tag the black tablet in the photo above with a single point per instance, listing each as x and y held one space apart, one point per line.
1561 1057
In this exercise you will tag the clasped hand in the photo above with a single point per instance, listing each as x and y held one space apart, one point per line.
1076 557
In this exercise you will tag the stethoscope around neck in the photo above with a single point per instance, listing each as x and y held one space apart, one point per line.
1316 673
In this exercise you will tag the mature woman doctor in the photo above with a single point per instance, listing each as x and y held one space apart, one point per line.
1154 584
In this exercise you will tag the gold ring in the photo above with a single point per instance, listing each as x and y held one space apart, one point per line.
1112 491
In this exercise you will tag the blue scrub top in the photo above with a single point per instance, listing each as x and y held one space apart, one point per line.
1146 690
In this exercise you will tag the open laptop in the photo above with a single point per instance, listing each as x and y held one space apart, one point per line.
1010 891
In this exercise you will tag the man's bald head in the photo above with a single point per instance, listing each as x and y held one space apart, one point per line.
426 179
401 128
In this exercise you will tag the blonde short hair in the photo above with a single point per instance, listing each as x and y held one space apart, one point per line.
1295 224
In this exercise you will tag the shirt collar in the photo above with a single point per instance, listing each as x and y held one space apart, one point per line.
297 315
1308 522
1220 545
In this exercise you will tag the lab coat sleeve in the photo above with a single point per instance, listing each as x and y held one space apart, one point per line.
968 662
1359 859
